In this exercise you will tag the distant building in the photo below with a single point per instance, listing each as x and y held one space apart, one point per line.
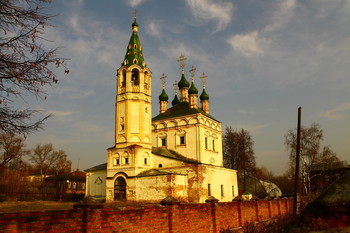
176 153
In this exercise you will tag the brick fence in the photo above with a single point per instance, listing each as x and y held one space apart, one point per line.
206 217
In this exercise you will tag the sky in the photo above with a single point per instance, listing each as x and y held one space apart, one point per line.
263 60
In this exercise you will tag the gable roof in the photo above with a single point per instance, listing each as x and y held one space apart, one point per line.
171 154
102 166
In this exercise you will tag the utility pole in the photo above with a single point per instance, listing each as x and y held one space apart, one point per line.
297 161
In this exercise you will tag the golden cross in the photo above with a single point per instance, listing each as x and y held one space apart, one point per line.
204 80
182 60
135 13
175 87
163 80
192 71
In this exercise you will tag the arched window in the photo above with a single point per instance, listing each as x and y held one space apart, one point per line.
135 77
123 81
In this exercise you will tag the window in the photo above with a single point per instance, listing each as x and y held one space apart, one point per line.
145 161
116 161
182 140
121 127
206 143
222 190
123 78
135 77
213 145
126 160
209 190
163 141
160 165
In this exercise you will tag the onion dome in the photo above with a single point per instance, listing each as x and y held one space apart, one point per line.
183 82
163 96
193 89
204 95
134 54
175 100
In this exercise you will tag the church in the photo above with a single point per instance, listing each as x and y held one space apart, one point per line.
176 153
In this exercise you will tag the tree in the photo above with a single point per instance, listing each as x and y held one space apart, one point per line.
311 151
238 150
12 149
26 63
46 159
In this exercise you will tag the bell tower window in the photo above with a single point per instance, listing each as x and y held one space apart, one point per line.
135 78
123 83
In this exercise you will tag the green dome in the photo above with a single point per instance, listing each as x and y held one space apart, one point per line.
163 96
175 100
134 51
204 95
193 89
183 82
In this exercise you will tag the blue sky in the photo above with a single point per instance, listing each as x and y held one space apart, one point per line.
263 60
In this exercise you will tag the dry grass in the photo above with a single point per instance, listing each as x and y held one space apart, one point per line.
30 206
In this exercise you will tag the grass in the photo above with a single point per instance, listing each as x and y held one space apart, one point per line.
33 206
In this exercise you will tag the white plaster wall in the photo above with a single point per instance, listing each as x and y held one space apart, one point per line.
96 184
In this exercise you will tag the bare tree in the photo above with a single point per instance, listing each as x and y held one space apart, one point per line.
12 149
238 150
46 159
26 63
311 151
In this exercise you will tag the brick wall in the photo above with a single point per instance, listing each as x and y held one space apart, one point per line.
208 217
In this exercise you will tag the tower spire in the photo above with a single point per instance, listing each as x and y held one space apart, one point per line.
204 97
163 98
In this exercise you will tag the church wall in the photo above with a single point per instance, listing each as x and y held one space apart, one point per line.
156 188
96 184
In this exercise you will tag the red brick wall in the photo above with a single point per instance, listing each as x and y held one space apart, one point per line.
208 217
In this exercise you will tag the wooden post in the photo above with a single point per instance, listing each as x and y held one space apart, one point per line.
297 162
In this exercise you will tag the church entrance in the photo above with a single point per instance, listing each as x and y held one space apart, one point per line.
120 189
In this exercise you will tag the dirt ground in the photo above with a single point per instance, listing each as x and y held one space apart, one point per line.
29 206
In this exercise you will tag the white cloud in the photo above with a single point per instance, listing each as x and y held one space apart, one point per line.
247 44
336 112
282 16
154 29
134 3
209 10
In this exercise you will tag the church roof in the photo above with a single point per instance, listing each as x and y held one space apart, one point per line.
154 172
175 100
181 109
193 89
102 166
170 154
163 96
183 82
204 95
134 51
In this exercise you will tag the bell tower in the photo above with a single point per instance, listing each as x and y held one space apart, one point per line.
133 112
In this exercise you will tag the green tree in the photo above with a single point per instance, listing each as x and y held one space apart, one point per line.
45 158
311 151
238 150
26 61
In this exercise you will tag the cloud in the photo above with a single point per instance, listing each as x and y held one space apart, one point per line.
336 112
247 44
282 16
209 10
154 28
134 3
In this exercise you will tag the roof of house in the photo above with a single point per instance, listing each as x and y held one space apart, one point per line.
102 166
171 154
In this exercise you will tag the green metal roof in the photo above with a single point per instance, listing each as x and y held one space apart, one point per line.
163 96
102 166
180 109
193 89
183 82
204 95
171 154
175 100
134 51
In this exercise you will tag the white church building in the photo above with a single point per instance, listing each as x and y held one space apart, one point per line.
176 153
